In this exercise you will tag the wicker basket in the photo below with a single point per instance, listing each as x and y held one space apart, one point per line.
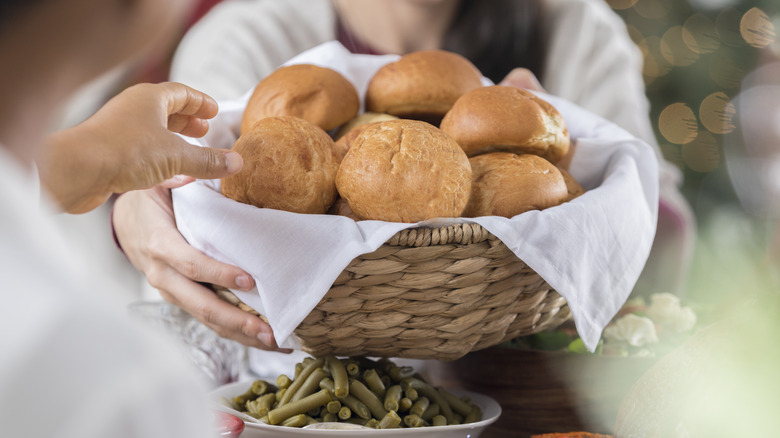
429 293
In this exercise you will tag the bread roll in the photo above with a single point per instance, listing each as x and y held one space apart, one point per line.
319 95
404 171
508 119
421 85
341 208
289 164
572 186
507 184
354 127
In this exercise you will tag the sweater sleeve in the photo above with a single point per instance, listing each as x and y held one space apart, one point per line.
239 42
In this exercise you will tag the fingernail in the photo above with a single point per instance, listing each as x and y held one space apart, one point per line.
266 338
233 161
244 282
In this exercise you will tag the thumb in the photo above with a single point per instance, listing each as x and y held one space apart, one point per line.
522 78
207 163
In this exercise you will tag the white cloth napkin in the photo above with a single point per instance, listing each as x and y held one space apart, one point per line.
591 250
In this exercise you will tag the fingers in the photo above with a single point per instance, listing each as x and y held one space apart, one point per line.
189 101
175 252
187 125
225 319
522 78
203 163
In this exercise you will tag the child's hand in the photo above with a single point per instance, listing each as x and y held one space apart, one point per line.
130 144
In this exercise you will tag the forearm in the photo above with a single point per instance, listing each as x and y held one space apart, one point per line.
72 170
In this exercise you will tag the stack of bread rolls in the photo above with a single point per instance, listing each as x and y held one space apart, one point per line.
433 142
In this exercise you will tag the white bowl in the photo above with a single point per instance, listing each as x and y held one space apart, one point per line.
490 413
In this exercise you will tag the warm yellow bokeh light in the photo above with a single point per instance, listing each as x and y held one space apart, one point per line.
654 63
674 50
678 124
700 34
716 113
621 4
756 28
634 33
652 9
702 154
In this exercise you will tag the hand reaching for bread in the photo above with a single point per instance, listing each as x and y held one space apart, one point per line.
138 128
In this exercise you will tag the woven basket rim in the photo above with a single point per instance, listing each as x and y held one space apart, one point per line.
460 233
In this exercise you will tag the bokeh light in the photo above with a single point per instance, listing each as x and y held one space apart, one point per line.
700 34
655 65
757 29
621 4
678 124
652 9
716 113
702 154
674 50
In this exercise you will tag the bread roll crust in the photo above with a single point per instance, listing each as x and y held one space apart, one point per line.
289 164
507 184
508 119
404 171
421 85
319 95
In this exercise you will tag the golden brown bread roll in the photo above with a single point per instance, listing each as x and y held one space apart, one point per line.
404 171
572 186
289 164
319 95
508 119
354 127
421 85
507 184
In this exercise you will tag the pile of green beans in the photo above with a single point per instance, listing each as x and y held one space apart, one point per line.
359 390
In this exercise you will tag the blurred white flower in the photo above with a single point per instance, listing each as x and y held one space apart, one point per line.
665 310
633 329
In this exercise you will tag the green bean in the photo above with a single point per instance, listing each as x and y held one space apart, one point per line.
295 421
316 412
386 380
458 405
439 420
473 416
369 398
353 369
374 382
280 393
392 397
310 384
283 381
372 423
432 411
400 373
345 413
419 406
357 406
433 394
339 373
262 404
405 404
301 406
330 418
310 420
412 420
411 394
333 406
298 368
298 382
260 387
390 421
306 361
